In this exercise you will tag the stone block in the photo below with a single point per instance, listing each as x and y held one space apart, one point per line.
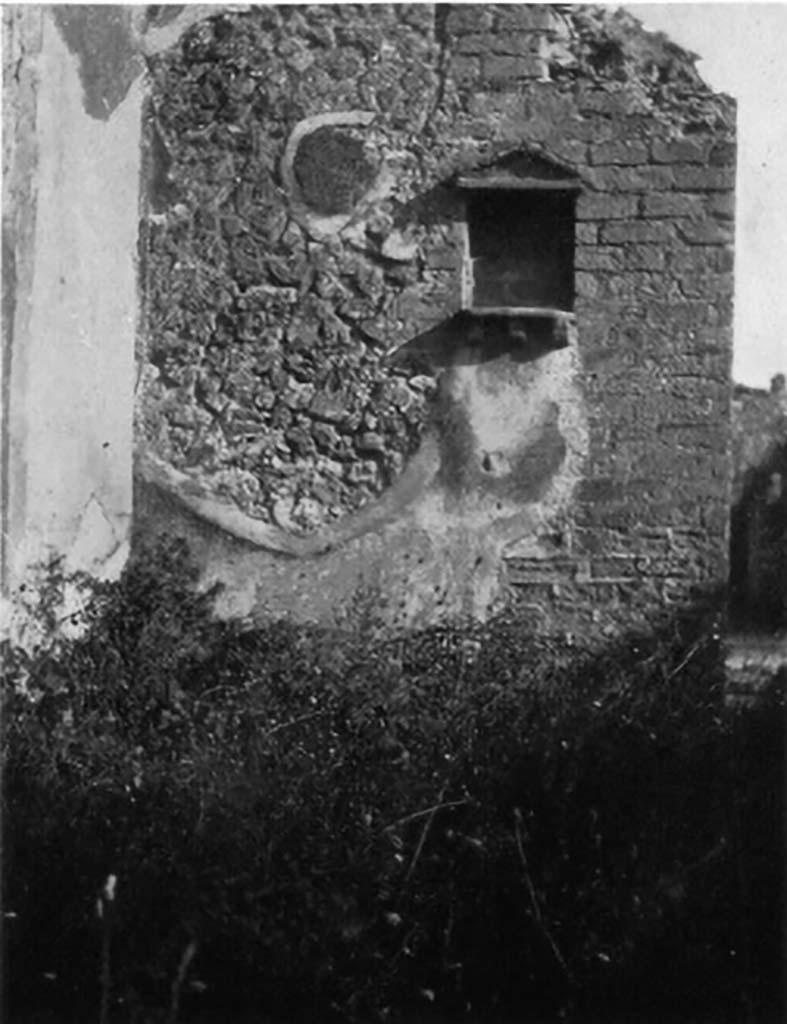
615 102
502 43
493 108
612 178
594 257
593 99
645 257
619 152
370 442
620 232
524 17
637 288
723 154
586 284
706 283
534 571
300 441
587 233
516 43
363 471
587 128
326 407
619 567
475 43
676 204
554 114
326 436
572 151
606 207
661 318
693 178
724 259
468 18
722 204
706 232
688 150
499 70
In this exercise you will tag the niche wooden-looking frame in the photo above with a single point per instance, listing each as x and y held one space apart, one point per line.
519 240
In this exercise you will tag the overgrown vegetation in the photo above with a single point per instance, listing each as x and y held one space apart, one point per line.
312 823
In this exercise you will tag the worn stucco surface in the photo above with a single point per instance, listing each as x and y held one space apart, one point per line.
72 92
498 466
71 336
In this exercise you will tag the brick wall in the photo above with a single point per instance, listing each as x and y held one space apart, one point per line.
268 324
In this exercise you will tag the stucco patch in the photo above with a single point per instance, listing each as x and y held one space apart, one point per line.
103 42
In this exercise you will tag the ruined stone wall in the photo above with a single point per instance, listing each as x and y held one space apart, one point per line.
269 363
302 223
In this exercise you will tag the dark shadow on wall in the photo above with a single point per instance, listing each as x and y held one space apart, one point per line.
439 205
467 339
758 547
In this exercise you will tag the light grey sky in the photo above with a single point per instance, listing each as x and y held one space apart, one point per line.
744 51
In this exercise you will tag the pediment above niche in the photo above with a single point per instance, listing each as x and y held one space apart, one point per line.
522 169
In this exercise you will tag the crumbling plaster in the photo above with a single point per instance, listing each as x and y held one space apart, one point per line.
590 483
72 98
496 478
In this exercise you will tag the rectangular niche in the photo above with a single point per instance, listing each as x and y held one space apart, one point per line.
519 249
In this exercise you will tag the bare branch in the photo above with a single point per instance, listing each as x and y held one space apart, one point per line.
426 811
177 984
537 915
432 811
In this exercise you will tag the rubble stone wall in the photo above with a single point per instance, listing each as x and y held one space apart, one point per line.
302 223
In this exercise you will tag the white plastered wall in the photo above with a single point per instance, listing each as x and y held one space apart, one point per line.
69 355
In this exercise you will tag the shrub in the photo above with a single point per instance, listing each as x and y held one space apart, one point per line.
366 826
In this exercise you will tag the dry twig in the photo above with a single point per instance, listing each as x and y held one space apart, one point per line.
536 907
432 811
180 976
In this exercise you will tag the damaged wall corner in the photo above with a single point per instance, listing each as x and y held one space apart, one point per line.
70 374
317 406
323 315
72 100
